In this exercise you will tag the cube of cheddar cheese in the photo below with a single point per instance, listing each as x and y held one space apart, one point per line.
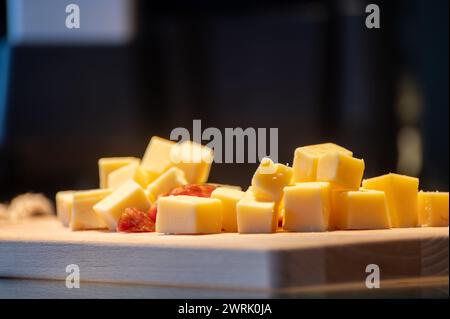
335 211
142 177
189 215
128 195
107 165
64 202
255 216
194 160
363 209
131 171
229 198
170 179
83 215
341 171
433 209
270 179
157 156
307 207
121 175
402 196
307 157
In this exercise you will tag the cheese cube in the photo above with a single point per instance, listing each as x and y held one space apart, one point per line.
131 171
157 157
307 157
336 209
363 210
229 198
254 216
194 160
341 171
128 195
64 202
401 194
188 215
109 164
83 214
142 177
433 209
307 207
170 179
121 175
270 179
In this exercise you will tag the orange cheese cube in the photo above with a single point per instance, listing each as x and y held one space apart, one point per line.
306 159
362 210
433 209
307 207
341 171
336 209
401 194
270 179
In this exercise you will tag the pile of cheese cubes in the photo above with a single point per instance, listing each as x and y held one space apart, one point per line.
322 191
128 182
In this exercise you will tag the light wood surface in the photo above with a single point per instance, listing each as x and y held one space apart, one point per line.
11 288
42 248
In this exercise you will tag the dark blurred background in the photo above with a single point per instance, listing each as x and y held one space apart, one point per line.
141 68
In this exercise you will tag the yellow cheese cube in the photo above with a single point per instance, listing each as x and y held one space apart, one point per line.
336 210
64 202
433 209
128 195
401 194
194 160
157 157
307 157
341 171
363 210
83 214
142 177
131 171
307 207
270 179
121 175
254 216
278 207
229 198
170 179
109 164
188 215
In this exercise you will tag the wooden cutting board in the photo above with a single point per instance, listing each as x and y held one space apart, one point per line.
42 248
